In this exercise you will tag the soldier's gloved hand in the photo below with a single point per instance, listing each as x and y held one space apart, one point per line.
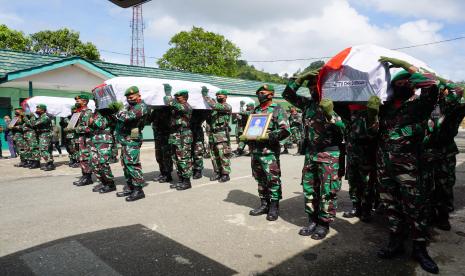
204 91
307 76
242 138
168 89
395 62
242 103
423 80
373 104
328 106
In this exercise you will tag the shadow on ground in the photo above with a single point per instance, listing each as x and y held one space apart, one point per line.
129 250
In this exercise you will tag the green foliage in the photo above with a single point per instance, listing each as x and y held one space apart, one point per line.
13 40
248 72
63 42
116 106
313 66
199 51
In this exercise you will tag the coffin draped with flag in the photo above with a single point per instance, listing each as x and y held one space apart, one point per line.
56 106
355 74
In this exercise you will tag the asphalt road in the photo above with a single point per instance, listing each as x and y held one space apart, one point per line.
50 227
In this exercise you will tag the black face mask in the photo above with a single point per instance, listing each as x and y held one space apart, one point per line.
220 100
263 98
132 102
38 113
402 93
17 114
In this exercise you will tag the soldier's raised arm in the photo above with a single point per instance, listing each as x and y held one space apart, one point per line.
216 104
290 92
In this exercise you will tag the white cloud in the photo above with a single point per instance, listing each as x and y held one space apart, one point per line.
10 18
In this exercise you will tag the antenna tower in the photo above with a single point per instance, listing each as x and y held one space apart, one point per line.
137 36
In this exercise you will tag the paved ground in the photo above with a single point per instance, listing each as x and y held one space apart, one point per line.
50 227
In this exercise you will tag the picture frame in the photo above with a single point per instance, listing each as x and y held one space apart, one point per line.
73 121
13 122
257 125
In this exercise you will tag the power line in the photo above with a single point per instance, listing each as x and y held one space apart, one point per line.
315 58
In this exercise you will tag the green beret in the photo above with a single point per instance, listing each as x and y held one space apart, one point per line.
266 87
401 75
82 96
251 104
19 108
42 106
222 92
182 93
131 90
451 86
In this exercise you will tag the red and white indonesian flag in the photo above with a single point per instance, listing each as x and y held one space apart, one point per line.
355 73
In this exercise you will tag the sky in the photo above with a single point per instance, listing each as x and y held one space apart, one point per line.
262 29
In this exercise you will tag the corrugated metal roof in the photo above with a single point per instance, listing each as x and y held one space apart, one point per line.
13 61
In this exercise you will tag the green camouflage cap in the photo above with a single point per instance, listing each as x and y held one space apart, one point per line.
222 92
251 104
266 87
42 106
82 96
182 93
131 90
401 75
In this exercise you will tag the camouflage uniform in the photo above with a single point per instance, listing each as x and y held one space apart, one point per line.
83 131
100 146
32 151
43 127
198 117
266 167
129 125
18 139
161 119
295 122
401 134
322 139
242 122
361 159
218 138
181 136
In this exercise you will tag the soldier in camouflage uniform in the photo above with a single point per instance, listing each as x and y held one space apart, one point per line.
295 122
180 136
198 117
401 133
32 151
266 168
321 174
129 126
361 161
43 128
70 141
242 122
100 146
18 137
83 131
161 119
219 140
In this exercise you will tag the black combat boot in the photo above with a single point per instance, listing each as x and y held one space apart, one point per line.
97 187
354 212
86 180
76 165
127 190
137 194
321 230
178 183
50 166
285 151
20 164
35 164
365 213
79 180
308 230
71 162
273 211
166 178
159 177
109 186
262 209
186 184
215 177
224 178
197 174
394 248
442 219
420 254
27 164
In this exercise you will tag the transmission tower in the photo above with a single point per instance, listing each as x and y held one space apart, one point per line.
137 36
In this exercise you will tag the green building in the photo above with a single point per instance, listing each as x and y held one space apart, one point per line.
24 75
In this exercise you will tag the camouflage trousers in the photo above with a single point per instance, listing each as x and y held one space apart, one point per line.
114 148
100 154
197 155
20 145
181 147
130 160
296 135
444 180
403 194
266 169
32 149
72 148
163 154
84 154
45 139
320 183
220 154
362 180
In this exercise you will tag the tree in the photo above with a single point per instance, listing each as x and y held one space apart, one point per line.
200 51
13 40
63 42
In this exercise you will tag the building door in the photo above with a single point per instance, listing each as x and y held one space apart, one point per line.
5 109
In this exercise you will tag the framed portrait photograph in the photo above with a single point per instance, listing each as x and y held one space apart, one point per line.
74 119
257 125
